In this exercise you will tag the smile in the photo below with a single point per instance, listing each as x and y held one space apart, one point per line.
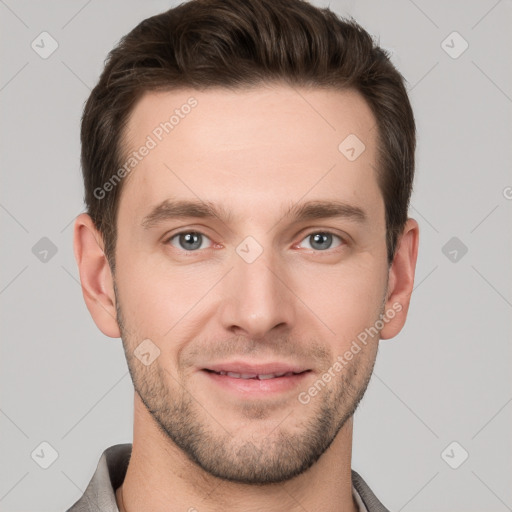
256 376
257 383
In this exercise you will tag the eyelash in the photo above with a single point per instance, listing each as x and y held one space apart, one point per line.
323 232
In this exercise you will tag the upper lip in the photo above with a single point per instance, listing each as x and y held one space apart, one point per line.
256 368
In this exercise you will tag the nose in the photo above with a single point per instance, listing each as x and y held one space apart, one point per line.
257 298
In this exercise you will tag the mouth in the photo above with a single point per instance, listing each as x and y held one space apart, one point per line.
261 376
251 380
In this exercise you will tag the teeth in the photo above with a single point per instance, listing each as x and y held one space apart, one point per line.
254 375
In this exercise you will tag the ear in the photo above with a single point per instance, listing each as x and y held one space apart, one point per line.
95 276
401 280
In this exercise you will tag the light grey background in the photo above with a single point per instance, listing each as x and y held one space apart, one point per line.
445 378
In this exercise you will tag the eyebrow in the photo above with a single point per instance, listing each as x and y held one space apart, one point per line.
310 210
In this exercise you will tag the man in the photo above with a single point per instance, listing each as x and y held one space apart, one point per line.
248 168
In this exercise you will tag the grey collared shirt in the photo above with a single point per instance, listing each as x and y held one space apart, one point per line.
109 475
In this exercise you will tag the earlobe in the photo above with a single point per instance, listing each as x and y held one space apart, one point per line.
95 276
401 280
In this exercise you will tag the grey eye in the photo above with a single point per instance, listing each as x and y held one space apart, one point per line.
321 240
189 240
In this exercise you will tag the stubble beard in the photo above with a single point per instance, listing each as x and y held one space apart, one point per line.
286 452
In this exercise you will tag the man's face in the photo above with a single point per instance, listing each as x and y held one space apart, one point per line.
257 293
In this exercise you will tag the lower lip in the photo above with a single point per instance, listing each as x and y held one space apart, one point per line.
256 386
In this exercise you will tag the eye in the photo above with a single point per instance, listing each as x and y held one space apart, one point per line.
188 240
322 240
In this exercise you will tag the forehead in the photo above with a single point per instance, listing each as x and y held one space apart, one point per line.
250 148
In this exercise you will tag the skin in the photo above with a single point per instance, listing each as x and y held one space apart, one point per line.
197 445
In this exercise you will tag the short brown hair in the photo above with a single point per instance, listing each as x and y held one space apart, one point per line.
238 44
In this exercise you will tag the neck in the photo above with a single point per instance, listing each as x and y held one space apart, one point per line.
156 463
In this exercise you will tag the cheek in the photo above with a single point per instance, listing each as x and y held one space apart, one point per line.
156 297
346 299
